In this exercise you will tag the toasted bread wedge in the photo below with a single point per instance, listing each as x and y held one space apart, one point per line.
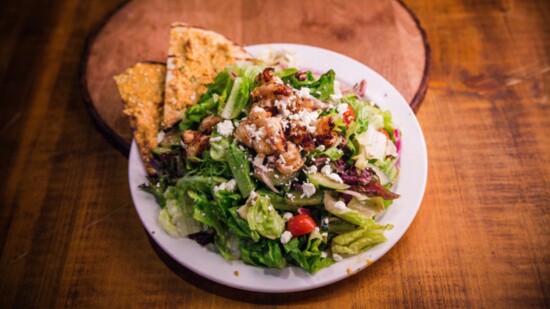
142 90
195 57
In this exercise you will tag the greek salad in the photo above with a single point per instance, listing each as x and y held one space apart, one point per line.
278 166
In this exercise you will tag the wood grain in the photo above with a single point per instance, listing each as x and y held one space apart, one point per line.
139 30
70 237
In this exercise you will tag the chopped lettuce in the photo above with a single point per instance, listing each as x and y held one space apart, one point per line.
209 103
264 253
321 88
219 146
334 153
238 99
240 167
263 218
306 253
359 240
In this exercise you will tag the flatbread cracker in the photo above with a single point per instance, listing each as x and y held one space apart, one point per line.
195 57
142 90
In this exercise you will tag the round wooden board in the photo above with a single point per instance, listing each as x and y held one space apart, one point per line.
384 35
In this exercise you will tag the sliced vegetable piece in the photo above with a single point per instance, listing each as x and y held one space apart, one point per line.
321 181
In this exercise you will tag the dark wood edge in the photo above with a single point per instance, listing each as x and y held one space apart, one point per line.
423 87
112 137
124 147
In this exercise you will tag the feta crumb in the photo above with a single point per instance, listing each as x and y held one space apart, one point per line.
228 186
340 205
325 221
311 169
308 189
290 196
335 177
225 128
321 148
324 234
303 92
216 139
270 208
324 254
316 229
326 170
336 257
287 216
342 108
286 237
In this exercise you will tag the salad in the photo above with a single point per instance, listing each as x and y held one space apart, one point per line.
278 166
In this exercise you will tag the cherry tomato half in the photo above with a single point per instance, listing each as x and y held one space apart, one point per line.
348 115
300 225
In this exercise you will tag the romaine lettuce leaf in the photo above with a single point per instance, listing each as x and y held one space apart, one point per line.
240 167
218 147
264 253
306 253
263 218
321 88
359 240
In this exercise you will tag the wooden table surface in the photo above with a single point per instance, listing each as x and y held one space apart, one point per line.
70 235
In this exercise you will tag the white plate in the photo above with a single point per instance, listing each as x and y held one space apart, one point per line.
411 185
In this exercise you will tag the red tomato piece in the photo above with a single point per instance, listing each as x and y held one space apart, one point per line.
300 225
348 115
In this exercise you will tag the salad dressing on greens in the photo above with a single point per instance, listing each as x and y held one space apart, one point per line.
276 166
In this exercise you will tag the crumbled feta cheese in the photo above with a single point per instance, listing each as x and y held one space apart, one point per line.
324 254
336 257
325 221
321 148
324 234
228 186
290 196
335 177
287 216
308 189
326 170
316 229
270 208
310 169
303 92
342 108
225 128
215 139
286 237
340 205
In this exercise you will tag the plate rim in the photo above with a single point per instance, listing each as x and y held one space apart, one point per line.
388 245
